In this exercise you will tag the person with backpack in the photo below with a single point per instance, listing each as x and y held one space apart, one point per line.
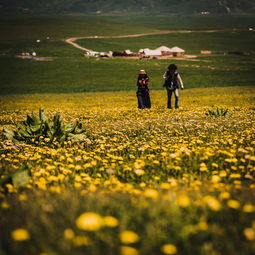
143 92
172 83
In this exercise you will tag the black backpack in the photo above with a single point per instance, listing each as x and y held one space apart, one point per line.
171 81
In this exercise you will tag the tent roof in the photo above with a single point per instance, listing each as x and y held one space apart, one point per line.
128 51
163 48
176 49
152 52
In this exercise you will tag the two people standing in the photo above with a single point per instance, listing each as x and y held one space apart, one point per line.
172 84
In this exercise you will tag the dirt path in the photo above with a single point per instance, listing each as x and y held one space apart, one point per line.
73 39
72 42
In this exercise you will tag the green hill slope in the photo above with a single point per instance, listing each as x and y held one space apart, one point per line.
100 6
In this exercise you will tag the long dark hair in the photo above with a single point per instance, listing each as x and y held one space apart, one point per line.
172 68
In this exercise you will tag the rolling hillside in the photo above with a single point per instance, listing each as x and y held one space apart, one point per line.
147 6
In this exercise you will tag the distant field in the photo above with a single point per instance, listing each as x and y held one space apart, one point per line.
62 26
71 72
193 42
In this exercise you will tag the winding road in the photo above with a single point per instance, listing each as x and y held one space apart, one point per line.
72 40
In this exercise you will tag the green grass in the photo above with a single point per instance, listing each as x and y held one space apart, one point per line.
62 26
77 74
71 72
193 43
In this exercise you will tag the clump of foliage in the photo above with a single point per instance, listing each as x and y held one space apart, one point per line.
38 128
219 112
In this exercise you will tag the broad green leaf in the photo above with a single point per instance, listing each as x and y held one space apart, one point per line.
8 133
21 178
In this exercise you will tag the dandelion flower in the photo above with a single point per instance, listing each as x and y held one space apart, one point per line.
249 234
5 205
233 204
212 203
126 250
203 167
224 195
139 172
89 221
68 234
82 241
20 235
128 237
248 208
183 200
151 193
202 226
110 222
22 197
169 249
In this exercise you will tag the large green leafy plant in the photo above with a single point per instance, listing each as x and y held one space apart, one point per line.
39 129
219 112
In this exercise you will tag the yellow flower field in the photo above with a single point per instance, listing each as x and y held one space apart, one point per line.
146 182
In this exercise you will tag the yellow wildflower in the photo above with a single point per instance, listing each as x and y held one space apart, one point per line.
82 241
89 221
151 193
202 226
249 208
249 233
223 174
214 165
22 197
234 176
212 203
169 249
68 234
203 167
126 250
20 234
215 179
165 185
128 237
139 164
233 204
224 195
183 200
252 158
5 205
110 221
139 172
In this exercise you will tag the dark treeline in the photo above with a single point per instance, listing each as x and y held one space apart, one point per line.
92 6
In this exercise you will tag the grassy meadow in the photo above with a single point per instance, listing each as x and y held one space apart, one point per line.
69 71
142 182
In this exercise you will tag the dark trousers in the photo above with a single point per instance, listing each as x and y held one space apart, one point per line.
144 100
169 96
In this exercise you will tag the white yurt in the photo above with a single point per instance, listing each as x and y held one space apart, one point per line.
149 52
176 51
164 50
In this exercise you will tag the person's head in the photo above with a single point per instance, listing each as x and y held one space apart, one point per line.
142 72
172 68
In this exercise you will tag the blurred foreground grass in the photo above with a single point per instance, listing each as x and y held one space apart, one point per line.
143 182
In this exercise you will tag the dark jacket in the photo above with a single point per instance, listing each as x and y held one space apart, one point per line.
172 80
142 84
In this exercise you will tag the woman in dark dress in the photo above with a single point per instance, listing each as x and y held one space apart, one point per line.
143 92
